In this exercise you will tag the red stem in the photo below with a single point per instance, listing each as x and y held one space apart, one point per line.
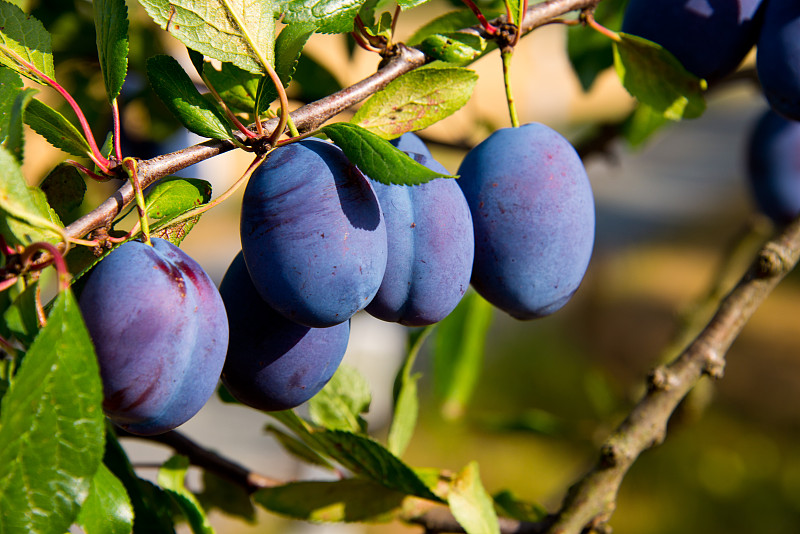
5 284
5 248
490 29
88 172
96 156
117 129
57 258
362 43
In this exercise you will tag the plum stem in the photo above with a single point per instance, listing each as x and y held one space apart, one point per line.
512 107
133 172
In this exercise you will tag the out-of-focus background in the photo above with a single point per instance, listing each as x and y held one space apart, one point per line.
670 215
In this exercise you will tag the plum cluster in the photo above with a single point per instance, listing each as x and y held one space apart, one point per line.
711 38
321 241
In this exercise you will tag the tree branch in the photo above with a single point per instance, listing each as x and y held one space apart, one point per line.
306 118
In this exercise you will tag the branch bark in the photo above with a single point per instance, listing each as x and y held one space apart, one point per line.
306 118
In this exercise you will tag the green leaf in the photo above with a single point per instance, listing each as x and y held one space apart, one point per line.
20 317
378 158
653 75
227 497
28 222
341 500
56 129
366 457
23 38
288 47
65 189
152 506
589 51
416 100
10 87
641 124
107 509
360 454
408 4
111 23
171 478
471 505
174 196
448 23
235 86
51 427
458 353
297 448
15 139
406 402
171 198
510 506
458 48
329 16
341 402
174 87
241 32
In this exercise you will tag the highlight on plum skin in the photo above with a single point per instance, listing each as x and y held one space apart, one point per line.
160 331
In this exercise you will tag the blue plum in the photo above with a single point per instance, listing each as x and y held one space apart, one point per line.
709 37
410 142
160 331
274 363
313 234
431 248
533 213
777 57
773 164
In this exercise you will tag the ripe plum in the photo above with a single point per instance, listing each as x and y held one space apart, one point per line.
274 363
533 214
709 37
431 248
160 331
313 235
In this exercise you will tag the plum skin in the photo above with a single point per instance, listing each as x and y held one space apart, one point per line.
410 142
710 37
273 363
313 234
431 249
160 332
773 164
533 214
776 57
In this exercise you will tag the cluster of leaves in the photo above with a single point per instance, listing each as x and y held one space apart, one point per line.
60 464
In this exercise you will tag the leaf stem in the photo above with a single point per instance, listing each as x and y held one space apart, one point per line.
228 113
117 129
55 257
487 26
96 155
512 107
88 172
133 173
269 70
588 16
